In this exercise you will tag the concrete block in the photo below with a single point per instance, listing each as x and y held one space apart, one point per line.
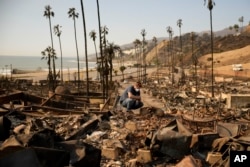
144 156
213 157
110 153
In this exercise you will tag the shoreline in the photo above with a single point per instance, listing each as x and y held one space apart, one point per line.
69 74
36 76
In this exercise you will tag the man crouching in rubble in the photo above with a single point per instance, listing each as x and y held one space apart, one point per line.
131 99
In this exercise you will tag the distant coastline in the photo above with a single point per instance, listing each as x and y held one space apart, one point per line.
35 63
35 69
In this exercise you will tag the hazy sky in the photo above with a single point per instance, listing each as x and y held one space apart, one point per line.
25 31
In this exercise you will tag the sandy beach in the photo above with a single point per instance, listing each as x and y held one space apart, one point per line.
42 75
36 76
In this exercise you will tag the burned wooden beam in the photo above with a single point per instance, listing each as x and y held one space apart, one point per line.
46 111
46 101
10 97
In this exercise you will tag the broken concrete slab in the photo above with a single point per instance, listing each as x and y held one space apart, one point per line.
110 153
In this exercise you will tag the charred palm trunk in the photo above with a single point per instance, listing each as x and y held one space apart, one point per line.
86 51
172 59
101 51
138 63
61 60
111 68
140 66
144 64
212 56
97 73
51 82
53 59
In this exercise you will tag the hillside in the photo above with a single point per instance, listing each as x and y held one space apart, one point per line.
229 49
159 50
223 62
236 56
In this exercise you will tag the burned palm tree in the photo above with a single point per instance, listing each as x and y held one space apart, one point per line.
92 35
137 43
195 60
170 32
58 33
210 6
179 24
48 13
241 20
73 14
101 50
86 49
105 58
48 54
143 33
110 53
157 59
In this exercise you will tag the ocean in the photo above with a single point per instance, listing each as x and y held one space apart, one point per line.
36 63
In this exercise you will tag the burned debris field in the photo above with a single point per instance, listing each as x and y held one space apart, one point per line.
175 126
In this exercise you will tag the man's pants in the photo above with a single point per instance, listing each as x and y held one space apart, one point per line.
131 104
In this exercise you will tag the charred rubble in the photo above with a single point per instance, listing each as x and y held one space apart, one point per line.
183 127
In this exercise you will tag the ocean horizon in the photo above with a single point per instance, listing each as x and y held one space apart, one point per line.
35 63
